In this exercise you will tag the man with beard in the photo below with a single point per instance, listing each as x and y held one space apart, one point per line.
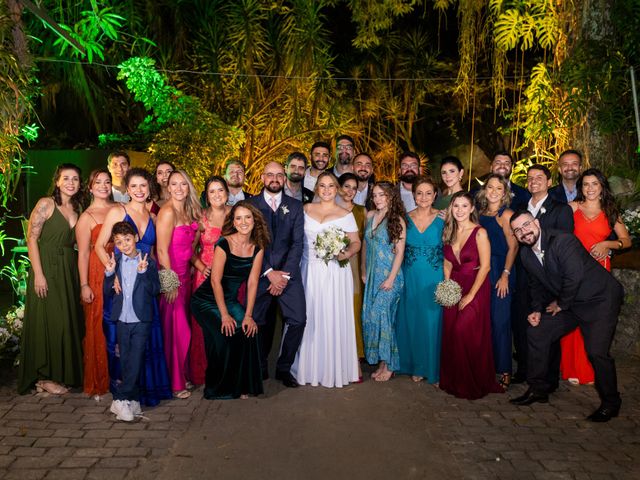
234 175
569 288
409 170
569 168
344 155
294 167
363 170
552 215
118 165
502 164
320 155
281 280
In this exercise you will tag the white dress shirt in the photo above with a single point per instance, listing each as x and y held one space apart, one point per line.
120 197
407 198
360 197
534 209
268 196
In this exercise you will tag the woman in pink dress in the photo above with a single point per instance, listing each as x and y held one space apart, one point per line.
177 227
466 361
595 216
216 194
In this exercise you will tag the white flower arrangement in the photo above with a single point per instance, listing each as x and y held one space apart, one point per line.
543 211
330 243
631 219
169 280
448 293
10 331
284 209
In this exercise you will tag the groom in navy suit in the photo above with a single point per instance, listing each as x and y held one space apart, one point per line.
280 280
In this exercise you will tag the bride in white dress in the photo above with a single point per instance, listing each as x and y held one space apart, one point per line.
328 355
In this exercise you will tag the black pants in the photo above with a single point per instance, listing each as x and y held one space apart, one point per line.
598 325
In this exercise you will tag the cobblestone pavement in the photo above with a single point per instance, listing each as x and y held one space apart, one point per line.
367 430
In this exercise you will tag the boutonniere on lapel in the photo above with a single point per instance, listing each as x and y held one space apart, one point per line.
284 209
542 212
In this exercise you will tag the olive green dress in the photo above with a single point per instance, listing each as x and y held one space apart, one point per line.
360 215
51 345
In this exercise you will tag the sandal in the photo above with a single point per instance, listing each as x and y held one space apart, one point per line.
505 381
182 394
51 387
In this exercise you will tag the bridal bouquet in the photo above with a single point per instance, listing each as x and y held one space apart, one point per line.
169 280
448 293
330 243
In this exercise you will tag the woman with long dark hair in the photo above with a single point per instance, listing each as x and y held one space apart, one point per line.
154 378
91 270
595 217
231 343
384 237
451 173
51 344
466 361
216 195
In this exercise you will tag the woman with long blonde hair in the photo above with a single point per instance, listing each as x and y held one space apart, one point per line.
178 235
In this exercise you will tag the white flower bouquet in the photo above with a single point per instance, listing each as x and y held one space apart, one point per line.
169 280
11 331
448 293
330 243
631 219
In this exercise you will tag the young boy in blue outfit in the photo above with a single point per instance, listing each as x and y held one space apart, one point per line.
132 308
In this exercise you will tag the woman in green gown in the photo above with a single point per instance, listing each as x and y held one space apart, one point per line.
51 345
451 172
231 344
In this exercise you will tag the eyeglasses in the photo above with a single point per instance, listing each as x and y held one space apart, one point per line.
274 175
344 147
518 231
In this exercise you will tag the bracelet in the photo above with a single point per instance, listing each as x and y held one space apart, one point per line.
506 271
620 244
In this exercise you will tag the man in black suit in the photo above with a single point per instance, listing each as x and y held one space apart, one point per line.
569 288
281 280
552 215
569 169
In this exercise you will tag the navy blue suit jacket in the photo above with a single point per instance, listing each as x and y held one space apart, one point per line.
145 288
286 227
519 197
558 193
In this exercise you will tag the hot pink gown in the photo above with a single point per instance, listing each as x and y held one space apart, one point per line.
197 355
175 316
466 361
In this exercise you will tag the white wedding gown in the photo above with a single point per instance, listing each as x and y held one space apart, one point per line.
327 354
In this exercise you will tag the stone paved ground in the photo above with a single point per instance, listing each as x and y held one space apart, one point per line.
398 430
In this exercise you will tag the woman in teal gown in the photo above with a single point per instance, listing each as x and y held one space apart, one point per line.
419 322
382 275
231 344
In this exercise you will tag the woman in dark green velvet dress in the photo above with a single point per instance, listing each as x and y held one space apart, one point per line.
231 343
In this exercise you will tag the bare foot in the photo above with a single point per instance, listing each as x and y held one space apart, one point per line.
244 397
416 378
384 376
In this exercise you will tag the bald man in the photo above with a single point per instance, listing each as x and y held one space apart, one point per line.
280 280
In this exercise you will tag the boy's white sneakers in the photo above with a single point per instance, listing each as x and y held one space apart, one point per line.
134 405
122 410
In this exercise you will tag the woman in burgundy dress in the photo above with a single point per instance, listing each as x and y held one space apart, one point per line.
466 362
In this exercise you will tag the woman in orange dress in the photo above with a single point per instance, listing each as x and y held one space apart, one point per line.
595 216
216 194
91 270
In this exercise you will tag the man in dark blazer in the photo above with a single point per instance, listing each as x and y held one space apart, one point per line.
234 174
552 215
569 169
569 288
281 280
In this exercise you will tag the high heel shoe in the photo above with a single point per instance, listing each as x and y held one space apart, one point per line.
505 381
50 387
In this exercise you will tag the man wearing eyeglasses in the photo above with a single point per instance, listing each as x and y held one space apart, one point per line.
281 279
344 155
569 288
